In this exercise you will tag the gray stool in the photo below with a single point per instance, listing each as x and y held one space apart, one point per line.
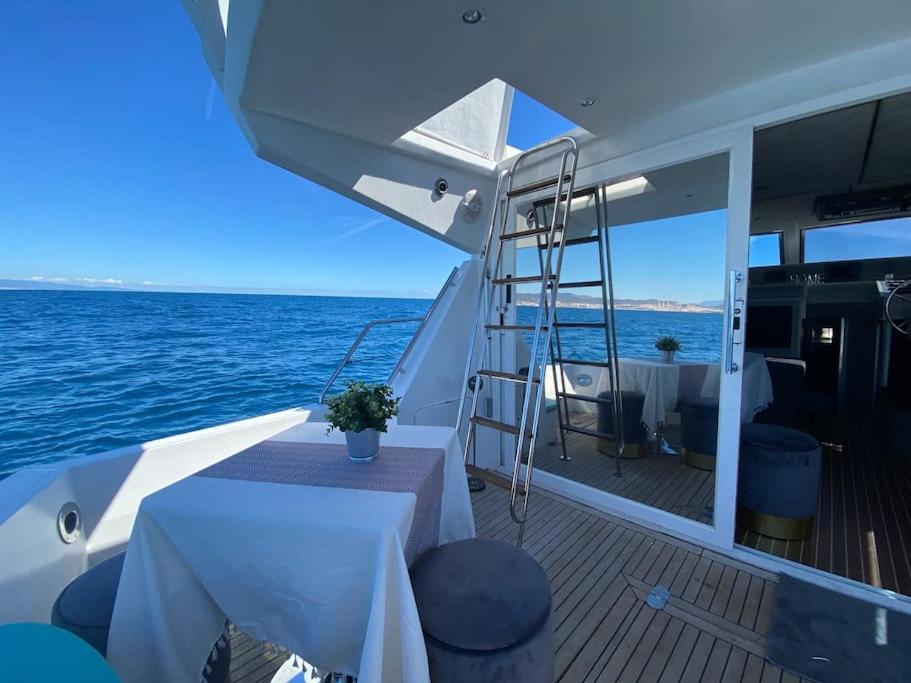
778 484
699 431
84 608
485 608
634 433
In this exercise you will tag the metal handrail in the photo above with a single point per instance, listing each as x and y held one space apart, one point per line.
417 333
388 321
521 518
357 342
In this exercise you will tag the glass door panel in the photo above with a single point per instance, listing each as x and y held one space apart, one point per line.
666 245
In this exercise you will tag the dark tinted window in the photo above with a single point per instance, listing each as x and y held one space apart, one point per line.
876 239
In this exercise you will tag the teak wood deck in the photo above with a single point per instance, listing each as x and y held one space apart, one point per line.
661 481
601 568
862 489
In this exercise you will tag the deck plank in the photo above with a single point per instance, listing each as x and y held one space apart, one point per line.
601 569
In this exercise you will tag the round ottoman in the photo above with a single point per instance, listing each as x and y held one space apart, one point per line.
778 484
699 431
634 434
485 608
84 608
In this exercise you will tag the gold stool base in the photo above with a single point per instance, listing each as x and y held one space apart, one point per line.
785 528
701 461
631 451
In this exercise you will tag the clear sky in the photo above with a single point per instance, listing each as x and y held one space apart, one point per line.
122 163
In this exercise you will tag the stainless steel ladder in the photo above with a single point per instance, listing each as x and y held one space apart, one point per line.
493 279
610 363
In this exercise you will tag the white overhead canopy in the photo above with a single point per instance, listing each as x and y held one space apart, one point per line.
349 93
375 70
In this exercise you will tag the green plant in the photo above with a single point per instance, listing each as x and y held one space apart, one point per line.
361 406
667 344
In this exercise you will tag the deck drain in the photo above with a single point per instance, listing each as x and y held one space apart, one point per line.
657 597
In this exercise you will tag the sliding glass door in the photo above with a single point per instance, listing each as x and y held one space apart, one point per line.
676 245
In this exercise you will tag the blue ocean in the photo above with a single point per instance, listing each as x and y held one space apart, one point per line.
86 371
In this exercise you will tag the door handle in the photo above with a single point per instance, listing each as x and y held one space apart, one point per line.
735 320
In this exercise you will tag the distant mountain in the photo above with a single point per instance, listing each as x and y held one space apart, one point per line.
50 284
583 301
93 285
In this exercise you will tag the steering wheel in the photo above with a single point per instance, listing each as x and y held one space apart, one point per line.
901 293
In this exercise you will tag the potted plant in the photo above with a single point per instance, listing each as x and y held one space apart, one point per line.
361 412
667 346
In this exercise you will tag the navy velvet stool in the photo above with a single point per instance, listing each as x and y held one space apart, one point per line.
85 607
778 484
699 431
485 608
634 432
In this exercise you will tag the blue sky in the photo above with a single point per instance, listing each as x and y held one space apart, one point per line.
122 163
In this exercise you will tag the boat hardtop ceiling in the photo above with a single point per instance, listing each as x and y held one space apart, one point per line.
376 100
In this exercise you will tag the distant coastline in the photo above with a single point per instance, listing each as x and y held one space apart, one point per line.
64 285
653 305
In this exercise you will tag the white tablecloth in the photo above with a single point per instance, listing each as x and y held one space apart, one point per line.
756 385
319 571
662 384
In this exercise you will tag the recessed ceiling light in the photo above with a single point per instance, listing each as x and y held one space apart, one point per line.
587 101
472 16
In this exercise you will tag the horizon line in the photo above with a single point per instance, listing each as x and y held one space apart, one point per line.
61 285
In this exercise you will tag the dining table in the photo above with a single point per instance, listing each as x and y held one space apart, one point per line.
664 384
296 546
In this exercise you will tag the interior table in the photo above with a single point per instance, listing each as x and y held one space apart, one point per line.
297 546
662 384
755 390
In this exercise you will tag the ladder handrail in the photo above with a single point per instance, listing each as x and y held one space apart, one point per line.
607 293
533 355
485 276
487 291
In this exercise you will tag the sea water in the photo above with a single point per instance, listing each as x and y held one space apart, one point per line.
84 372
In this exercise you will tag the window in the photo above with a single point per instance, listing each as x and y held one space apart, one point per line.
765 250
875 239
531 123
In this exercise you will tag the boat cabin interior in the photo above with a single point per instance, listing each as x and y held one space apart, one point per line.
830 239
673 365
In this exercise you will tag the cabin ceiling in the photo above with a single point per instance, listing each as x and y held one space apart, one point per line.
375 70
861 147
683 189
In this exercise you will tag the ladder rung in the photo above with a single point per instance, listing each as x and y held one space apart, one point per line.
581 283
574 361
537 185
531 232
575 240
508 376
583 397
587 432
494 424
538 278
518 280
518 328
576 194
581 325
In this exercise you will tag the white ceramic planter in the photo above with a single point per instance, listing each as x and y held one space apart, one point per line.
363 446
